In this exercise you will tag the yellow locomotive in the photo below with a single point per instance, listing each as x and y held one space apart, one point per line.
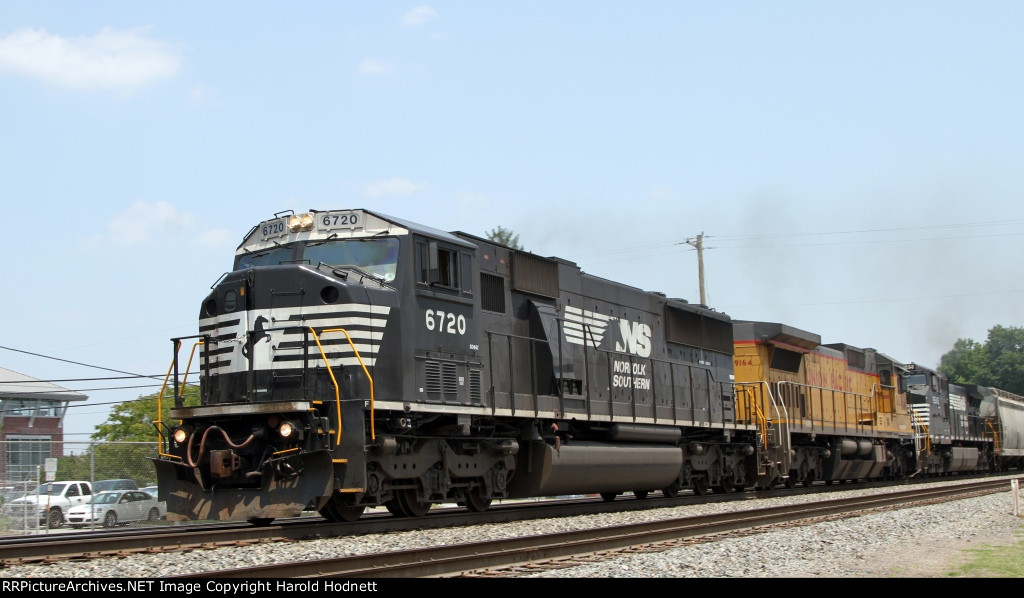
827 412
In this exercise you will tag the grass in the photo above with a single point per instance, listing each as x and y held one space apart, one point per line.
993 561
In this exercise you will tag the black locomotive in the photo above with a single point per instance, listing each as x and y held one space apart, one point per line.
351 359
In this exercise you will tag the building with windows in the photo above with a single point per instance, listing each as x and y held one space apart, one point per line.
31 423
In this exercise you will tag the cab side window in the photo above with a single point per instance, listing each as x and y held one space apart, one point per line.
438 265
447 268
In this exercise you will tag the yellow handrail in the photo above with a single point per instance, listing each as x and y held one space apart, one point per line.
159 411
160 396
757 414
922 433
995 436
330 371
188 368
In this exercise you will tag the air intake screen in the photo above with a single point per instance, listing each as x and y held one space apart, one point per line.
786 360
855 359
492 292
689 328
532 274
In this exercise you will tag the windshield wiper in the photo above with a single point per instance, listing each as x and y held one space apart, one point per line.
333 236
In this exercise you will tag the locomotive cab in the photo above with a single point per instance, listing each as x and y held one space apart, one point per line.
949 424
287 350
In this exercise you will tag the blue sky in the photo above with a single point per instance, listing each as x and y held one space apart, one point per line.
853 166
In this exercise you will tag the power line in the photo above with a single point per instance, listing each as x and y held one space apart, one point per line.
78 363
872 230
85 405
75 379
80 390
621 254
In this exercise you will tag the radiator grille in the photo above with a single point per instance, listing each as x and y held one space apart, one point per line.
441 381
475 386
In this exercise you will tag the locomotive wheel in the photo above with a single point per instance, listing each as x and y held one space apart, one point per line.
700 486
641 494
395 508
727 485
351 513
609 496
336 510
476 502
671 492
410 504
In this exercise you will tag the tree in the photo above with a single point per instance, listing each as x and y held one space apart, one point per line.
505 237
965 363
1005 356
127 440
999 362
132 421
111 461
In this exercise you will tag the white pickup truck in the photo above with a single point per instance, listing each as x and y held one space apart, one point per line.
48 505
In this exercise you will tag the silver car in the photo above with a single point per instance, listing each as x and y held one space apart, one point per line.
117 507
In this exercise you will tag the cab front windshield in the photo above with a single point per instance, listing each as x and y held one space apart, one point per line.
377 257
917 379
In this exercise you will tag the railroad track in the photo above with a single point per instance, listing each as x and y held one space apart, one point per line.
493 558
80 545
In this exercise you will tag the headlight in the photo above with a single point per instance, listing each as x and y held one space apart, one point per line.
179 436
300 222
286 429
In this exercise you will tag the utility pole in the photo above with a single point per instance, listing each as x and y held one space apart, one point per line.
698 244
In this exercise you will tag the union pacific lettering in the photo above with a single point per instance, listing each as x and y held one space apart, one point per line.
831 379
827 371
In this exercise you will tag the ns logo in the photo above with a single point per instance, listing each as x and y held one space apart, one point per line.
636 338
589 328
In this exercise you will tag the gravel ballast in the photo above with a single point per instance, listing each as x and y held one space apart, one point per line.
914 542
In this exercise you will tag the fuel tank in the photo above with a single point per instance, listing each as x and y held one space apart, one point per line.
594 468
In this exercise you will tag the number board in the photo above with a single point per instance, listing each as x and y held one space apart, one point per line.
274 228
335 220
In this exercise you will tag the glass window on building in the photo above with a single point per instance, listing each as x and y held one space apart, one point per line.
31 408
26 456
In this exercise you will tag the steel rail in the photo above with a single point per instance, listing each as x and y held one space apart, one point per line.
65 543
457 559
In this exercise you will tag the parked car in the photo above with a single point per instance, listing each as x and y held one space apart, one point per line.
48 504
9 493
153 490
123 484
117 507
